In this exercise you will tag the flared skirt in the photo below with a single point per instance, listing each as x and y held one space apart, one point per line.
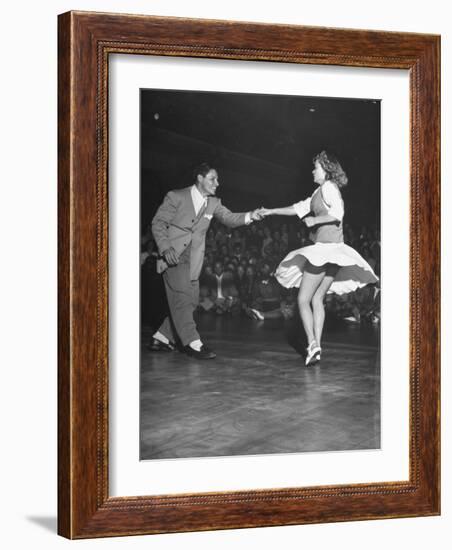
354 272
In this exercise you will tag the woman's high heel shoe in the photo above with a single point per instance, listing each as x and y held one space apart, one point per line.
313 352
319 353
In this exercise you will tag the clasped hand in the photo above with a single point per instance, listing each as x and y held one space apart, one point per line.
259 213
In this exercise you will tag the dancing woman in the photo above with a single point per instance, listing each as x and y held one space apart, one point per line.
329 265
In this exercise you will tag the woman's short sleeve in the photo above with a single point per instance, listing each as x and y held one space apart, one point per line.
303 207
333 200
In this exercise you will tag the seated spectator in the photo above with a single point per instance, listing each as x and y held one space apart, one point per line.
253 252
271 254
266 303
206 274
225 260
211 243
236 241
239 280
248 285
149 251
253 238
285 233
267 239
289 303
222 291
238 252
223 252
282 238
252 261
360 306
367 300
343 307
231 268
205 301
221 237
277 244
366 254
376 315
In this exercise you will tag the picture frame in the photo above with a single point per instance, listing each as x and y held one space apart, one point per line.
86 40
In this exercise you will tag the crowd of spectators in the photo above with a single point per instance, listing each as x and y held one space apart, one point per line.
237 276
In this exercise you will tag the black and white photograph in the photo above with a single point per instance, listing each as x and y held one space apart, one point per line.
260 274
225 234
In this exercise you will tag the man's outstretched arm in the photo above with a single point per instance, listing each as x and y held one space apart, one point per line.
232 219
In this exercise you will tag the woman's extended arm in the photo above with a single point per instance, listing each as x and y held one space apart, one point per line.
299 209
286 211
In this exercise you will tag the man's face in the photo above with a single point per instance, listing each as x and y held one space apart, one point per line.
218 269
209 183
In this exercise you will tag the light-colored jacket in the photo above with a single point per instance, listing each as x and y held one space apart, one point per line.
176 225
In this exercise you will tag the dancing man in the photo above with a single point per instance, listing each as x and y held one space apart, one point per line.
179 228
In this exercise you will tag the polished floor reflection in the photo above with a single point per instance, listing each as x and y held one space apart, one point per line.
256 397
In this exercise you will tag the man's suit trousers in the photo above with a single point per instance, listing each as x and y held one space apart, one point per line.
183 299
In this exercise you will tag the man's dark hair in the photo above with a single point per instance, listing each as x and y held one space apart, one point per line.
202 169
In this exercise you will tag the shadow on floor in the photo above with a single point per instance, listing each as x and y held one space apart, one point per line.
49 523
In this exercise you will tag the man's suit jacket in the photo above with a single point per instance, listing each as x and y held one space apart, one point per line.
176 224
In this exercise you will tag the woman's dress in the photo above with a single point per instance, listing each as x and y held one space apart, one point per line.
328 248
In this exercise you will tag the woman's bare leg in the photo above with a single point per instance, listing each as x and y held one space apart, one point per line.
318 307
309 284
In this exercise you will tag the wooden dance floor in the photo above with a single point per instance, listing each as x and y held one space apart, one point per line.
256 397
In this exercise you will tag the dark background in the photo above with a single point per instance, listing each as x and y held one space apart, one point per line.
262 146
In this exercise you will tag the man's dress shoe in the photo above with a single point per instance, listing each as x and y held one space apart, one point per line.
157 345
203 353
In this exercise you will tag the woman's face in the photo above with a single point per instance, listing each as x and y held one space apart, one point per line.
318 173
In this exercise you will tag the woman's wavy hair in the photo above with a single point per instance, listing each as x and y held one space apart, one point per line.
333 169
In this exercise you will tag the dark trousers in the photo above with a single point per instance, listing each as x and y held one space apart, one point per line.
183 299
